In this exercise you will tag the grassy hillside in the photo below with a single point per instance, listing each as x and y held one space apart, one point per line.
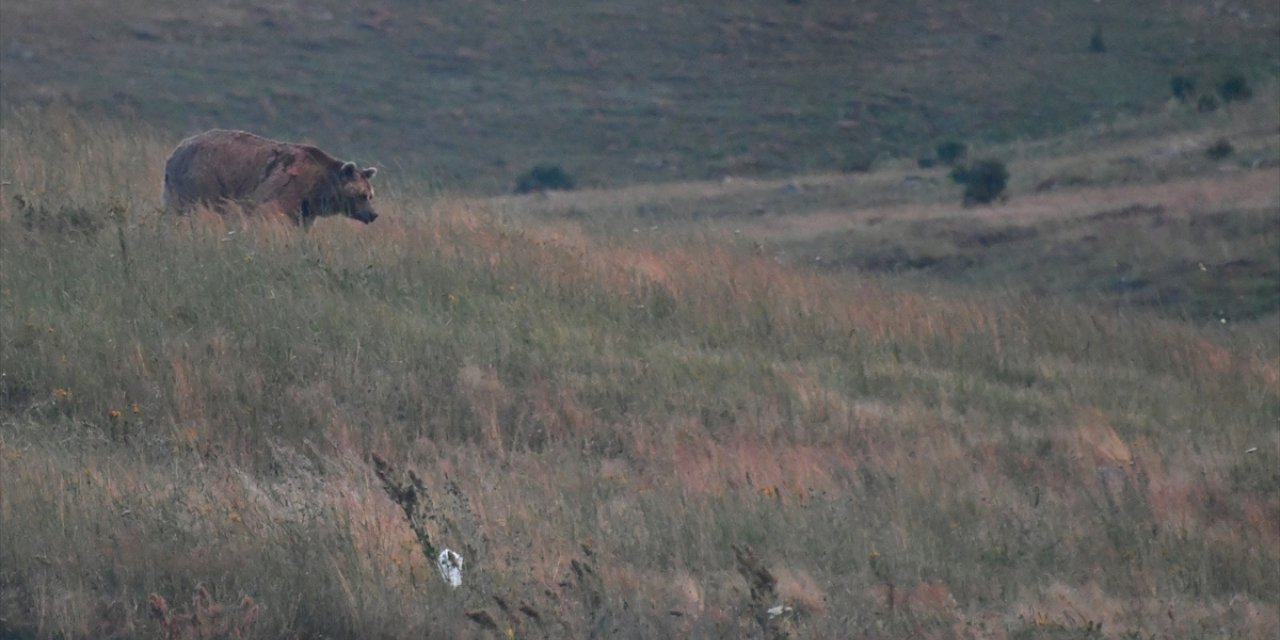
736 371
1134 214
472 93
601 411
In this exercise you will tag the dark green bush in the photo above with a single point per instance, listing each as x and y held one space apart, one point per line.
544 177
984 181
1220 149
1096 44
1182 87
1235 88
952 151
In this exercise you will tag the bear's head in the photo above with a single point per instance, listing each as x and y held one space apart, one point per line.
355 193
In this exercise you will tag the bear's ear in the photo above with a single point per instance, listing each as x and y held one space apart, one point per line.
348 170
369 173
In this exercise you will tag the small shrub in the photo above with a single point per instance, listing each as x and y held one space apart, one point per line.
544 177
1183 88
926 163
1096 44
952 151
1235 88
1220 149
1206 104
983 181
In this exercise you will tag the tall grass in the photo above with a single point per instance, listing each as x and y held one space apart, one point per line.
194 401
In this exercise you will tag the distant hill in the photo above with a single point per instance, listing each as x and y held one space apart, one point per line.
472 93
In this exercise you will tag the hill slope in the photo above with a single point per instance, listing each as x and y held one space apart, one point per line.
1135 214
619 430
473 93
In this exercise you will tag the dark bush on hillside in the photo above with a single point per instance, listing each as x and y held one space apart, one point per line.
1183 88
1235 88
984 181
952 151
1096 44
1206 104
544 177
1220 149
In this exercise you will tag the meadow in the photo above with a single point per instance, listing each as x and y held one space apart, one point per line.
627 407
761 376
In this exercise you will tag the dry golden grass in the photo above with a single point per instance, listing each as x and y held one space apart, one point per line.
616 413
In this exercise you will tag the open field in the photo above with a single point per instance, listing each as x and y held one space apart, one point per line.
606 392
762 359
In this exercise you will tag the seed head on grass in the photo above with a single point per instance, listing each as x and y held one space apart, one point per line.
206 618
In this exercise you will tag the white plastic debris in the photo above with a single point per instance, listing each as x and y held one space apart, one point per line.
450 566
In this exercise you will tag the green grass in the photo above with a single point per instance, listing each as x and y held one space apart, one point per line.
194 402
472 94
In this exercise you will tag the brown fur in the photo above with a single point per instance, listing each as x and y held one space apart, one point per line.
299 181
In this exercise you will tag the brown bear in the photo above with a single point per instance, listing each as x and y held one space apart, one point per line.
269 176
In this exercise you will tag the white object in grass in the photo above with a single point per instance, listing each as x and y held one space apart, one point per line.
450 566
